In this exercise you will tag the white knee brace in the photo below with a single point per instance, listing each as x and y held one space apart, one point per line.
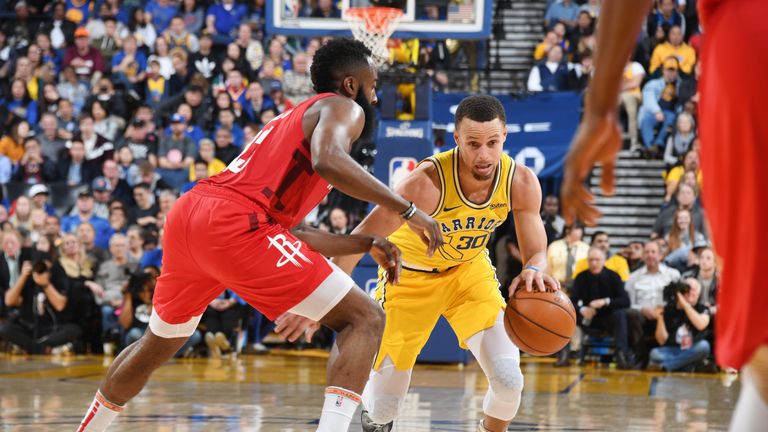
506 385
385 392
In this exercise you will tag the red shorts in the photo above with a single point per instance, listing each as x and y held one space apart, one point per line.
734 140
215 239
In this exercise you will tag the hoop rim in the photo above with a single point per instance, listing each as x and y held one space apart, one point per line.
365 11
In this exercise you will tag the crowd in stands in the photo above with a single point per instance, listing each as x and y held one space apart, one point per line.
109 111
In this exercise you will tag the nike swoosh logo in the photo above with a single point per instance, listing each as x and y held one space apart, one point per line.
447 209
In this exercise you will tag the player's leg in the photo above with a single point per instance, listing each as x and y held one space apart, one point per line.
384 394
751 411
477 317
500 360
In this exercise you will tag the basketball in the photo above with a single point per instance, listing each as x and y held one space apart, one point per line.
540 323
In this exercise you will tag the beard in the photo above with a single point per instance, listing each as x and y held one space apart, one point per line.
370 115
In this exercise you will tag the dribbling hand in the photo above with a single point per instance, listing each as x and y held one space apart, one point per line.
291 327
428 229
388 256
532 277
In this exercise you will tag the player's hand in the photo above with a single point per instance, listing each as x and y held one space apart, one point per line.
533 277
388 256
428 229
597 139
291 327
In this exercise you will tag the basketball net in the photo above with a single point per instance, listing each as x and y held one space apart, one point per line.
373 26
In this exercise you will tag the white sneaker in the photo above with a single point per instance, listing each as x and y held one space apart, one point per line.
109 349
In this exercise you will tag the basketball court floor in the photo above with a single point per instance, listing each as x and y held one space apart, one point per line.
282 392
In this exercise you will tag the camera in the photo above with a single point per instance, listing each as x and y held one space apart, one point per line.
40 266
671 290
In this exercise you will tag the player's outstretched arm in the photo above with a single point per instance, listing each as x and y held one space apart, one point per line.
526 202
339 124
420 186
598 138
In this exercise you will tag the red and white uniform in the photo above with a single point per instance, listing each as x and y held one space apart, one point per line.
734 148
232 231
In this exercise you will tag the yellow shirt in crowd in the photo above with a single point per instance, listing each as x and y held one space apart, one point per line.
684 54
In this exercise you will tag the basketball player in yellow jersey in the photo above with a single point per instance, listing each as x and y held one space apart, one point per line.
469 191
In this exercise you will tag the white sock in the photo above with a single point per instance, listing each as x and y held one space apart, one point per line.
100 414
751 413
339 407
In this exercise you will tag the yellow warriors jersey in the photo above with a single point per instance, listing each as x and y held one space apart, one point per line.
466 226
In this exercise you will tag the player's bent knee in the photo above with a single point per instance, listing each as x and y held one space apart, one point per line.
506 385
383 409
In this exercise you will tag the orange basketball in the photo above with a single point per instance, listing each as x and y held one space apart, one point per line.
540 323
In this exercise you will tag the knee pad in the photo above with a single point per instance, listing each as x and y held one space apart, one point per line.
383 409
385 392
506 385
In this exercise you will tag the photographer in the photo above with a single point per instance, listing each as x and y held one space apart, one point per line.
39 322
681 328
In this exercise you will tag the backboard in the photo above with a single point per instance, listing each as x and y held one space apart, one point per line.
424 19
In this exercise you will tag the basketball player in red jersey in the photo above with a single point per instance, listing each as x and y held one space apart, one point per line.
233 231
734 146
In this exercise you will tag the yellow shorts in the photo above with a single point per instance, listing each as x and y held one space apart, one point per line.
467 296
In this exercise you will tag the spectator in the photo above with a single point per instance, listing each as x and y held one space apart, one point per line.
222 19
645 288
235 87
83 212
137 306
156 90
97 148
162 13
580 75
139 142
680 330
10 266
181 76
339 222
601 303
681 239
52 146
192 130
228 120
71 90
144 213
564 11
12 144
297 82
659 108
153 254
33 167
21 210
690 163
674 47
66 119
199 172
680 143
108 43
325 9
90 244
73 168
20 29
129 65
192 14
39 196
563 254
615 263
128 170
142 29
225 150
582 37
250 49
176 152
664 16
48 102
268 74
41 296
686 199
101 195
20 103
112 275
551 75
205 61
207 154
706 273
52 227
148 175
86 60
135 244
105 124
256 101
223 319
60 29
631 97
278 97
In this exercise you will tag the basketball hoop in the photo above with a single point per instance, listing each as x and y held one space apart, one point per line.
373 26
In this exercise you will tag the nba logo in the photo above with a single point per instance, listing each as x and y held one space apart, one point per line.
399 168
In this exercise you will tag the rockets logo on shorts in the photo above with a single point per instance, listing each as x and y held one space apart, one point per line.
290 251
